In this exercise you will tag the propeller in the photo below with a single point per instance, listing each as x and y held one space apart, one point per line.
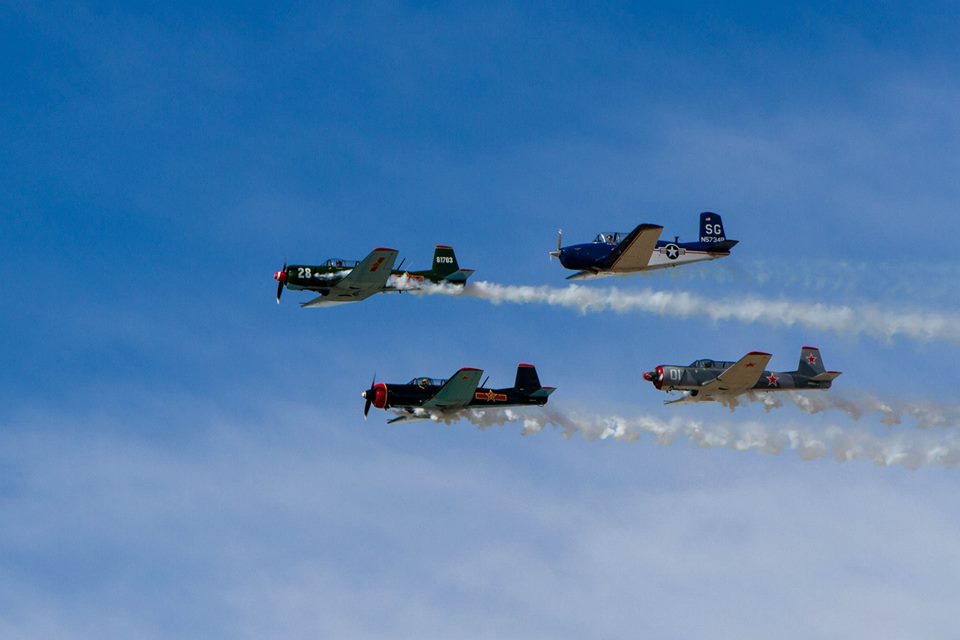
281 278
655 376
556 254
369 395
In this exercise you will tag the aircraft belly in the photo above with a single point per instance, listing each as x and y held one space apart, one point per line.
661 261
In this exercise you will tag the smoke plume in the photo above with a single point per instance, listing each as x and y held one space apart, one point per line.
913 450
890 412
842 319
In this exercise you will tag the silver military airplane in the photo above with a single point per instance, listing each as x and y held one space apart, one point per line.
714 380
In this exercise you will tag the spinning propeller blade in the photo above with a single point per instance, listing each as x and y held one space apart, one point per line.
369 395
281 278
556 254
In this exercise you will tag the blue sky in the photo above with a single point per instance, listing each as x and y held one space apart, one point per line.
179 456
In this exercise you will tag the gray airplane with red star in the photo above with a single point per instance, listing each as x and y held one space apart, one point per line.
720 381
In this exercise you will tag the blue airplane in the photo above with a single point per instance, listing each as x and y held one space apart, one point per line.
616 253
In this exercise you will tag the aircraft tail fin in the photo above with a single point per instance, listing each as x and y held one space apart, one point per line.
444 261
811 364
712 233
527 379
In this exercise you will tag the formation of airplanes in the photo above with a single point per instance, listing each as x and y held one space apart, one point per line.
338 281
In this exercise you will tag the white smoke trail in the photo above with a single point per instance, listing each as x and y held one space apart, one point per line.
889 280
919 449
842 319
926 414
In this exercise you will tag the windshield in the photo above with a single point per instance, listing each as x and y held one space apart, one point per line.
340 263
610 237
427 382
712 364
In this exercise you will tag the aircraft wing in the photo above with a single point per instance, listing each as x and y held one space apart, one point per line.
588 275
739 377
457 392
364 280
372 272
633 253
406 417
686 399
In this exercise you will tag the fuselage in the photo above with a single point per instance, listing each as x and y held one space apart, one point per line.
413 394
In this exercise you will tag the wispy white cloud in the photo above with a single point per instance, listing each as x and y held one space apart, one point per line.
309 528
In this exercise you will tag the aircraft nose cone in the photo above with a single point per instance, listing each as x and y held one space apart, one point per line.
648 376
364 395
280 276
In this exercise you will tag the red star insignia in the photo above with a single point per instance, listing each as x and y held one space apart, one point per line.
750 364
812 359
772 380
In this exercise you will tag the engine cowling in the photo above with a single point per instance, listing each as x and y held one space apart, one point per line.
380 396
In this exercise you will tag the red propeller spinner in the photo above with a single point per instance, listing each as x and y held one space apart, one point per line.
376 395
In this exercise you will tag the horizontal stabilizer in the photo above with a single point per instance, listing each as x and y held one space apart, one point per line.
543 392
826 376
459 277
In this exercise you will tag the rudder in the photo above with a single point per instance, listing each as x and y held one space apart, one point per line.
711 228
527 378
444 261
811 364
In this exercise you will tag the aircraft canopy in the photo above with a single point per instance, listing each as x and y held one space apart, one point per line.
610 237
340 263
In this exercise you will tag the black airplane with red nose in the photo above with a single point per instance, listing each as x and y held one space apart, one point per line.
425 397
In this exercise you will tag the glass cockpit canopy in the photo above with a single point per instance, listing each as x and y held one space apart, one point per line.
610 237
424 381
340 263
706 363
